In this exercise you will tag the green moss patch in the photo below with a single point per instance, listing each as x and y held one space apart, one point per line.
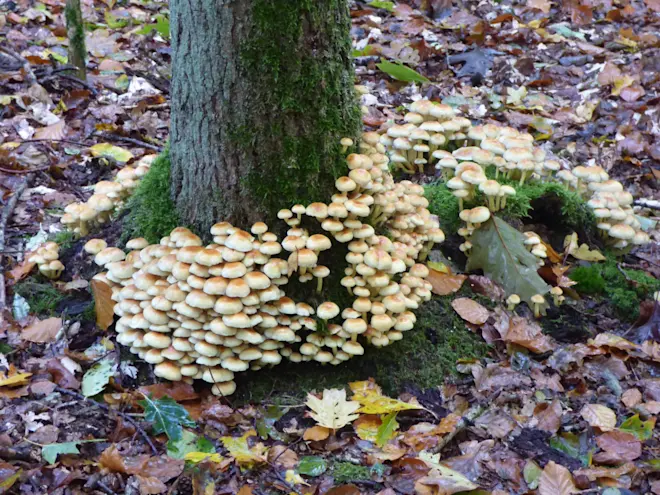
345 472
425 357
151 211
42 297
623 289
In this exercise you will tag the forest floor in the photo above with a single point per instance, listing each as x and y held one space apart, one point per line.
560 405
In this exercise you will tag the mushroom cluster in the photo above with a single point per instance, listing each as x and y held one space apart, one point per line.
107 198
432 134
207 312
47 260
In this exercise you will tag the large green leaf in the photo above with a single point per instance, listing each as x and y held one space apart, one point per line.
498 250
643 430
97 377
50 451
189 442
166 416
401 72
312 465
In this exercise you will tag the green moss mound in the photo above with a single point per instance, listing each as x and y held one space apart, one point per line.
623 289
425 357
42 297
151 211
538 200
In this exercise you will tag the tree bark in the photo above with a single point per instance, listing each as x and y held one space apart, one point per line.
75 28
262 92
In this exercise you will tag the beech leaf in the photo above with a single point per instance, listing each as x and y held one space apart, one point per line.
599 416
498 250
97 377
445 283
332 410
43 331
471 311
556 480
103 304
107 150
400 72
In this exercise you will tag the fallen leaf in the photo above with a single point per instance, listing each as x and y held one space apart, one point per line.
178 391
161 467
542 5
528 334
244 454
280 455
366 427
332 410
556 480
471 311
445 480
54 131
197 457
103 304
13 378
107 150
643 430
549 416
585 254
98 376
150 485
618 446
445 283
371 401
599 416
316 433
42 331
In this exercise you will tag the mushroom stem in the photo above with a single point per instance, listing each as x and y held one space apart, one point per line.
354 337
537 310
460 204
319 285
523 176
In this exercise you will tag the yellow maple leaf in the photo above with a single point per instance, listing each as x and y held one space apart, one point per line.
370 397
332 410
244 454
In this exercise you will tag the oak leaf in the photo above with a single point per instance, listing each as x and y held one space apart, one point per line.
332 410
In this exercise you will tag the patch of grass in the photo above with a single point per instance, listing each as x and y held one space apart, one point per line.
425 357
42 297
151 211
64 239
624 289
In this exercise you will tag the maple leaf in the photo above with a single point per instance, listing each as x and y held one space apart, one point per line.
244 454
333 410
371 400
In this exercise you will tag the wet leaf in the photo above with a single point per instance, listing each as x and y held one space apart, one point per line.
316 433
166 416
387 429
599 416
527 334
43 331
103 304
98 376
400 72
197 457
499 251
244 454
618 446
556 480
471 311
445 283
585 254
446 480
106 150
312 465
332 410
643 430
368 395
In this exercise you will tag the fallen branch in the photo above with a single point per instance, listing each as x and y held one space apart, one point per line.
4 218
473 413
105 408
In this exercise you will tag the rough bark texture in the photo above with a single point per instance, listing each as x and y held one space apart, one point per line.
75 28
262 92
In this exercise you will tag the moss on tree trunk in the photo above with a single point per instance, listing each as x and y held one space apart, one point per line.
262 92
76 34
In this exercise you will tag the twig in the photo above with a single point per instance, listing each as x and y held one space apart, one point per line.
4 218
105 408
29 74
137 142
473 413
27 141
105 488
21 172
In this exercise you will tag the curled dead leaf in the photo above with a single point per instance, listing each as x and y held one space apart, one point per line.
471 311
103 304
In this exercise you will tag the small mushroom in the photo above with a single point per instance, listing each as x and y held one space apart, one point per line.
537 303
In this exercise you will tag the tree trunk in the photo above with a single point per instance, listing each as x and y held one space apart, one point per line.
75 28
262 92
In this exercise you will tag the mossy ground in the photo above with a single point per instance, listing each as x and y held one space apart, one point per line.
151 211
425 357
623 289
46 300
550 203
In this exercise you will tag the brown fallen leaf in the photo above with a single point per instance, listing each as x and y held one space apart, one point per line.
280 455
149 485
42 331
542 5
316 433
471 311
103 304
618 447
556 480
445 283
595 473
599 416
21 270
162 468
529 335
179 391
54 131
548 416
